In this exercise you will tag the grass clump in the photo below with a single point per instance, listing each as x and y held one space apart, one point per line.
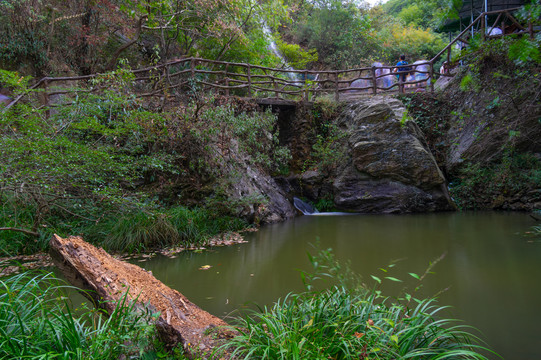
140 231
351 322
37 322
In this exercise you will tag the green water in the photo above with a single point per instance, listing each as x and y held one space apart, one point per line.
492 273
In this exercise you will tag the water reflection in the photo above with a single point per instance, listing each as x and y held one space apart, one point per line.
492 274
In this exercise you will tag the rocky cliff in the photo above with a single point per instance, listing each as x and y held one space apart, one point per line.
386 168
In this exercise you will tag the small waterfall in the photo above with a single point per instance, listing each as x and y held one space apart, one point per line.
272 47
303 207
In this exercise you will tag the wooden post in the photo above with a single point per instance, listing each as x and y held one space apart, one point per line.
483 32
227 79
374 81
400 81
337 92
249 82
192 67
46 98
306 86
431 77
530 29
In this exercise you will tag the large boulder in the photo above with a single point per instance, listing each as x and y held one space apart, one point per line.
390 168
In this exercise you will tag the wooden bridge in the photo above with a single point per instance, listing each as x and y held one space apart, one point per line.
272 85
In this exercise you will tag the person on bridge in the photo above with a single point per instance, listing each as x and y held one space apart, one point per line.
402 72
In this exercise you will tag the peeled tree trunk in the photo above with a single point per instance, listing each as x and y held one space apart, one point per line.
108 279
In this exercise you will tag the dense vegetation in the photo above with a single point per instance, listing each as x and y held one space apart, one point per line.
124 177
38 321
82 37
130 175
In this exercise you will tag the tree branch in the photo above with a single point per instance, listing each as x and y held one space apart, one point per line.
24 231
112 63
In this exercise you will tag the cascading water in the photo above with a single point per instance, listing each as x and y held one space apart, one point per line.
272 47
303 207
308 209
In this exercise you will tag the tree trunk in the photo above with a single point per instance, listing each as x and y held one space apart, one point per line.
180 321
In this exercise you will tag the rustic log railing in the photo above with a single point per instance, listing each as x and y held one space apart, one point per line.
253 81
504 22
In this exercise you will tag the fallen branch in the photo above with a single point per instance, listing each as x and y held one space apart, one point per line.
24 231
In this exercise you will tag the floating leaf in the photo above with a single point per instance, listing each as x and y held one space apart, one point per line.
393 279
205 267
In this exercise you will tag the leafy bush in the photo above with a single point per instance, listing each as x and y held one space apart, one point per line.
106 168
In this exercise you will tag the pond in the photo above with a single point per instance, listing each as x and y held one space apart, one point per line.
490 274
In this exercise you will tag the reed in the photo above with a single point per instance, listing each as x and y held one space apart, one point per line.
37 322
351 322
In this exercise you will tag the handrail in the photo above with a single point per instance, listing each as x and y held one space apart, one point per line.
273 80
481 19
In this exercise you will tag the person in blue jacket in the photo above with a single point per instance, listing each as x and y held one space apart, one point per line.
402 72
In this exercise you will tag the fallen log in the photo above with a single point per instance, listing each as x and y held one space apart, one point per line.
108 279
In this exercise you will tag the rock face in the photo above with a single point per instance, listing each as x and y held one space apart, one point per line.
251 192
390 169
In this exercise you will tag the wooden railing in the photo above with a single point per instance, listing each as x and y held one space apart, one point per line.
504 22
252 81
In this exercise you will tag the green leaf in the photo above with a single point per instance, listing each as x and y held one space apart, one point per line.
376 278
415 276
393 279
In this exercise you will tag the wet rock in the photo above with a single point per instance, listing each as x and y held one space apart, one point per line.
391 169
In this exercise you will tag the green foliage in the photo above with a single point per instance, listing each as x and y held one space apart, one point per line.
103 165
37 321
338 30
327 152
325 204
431 13
482 187
13 81
396 38
296 56
466 82
140 231
342 323
22 34
525 51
